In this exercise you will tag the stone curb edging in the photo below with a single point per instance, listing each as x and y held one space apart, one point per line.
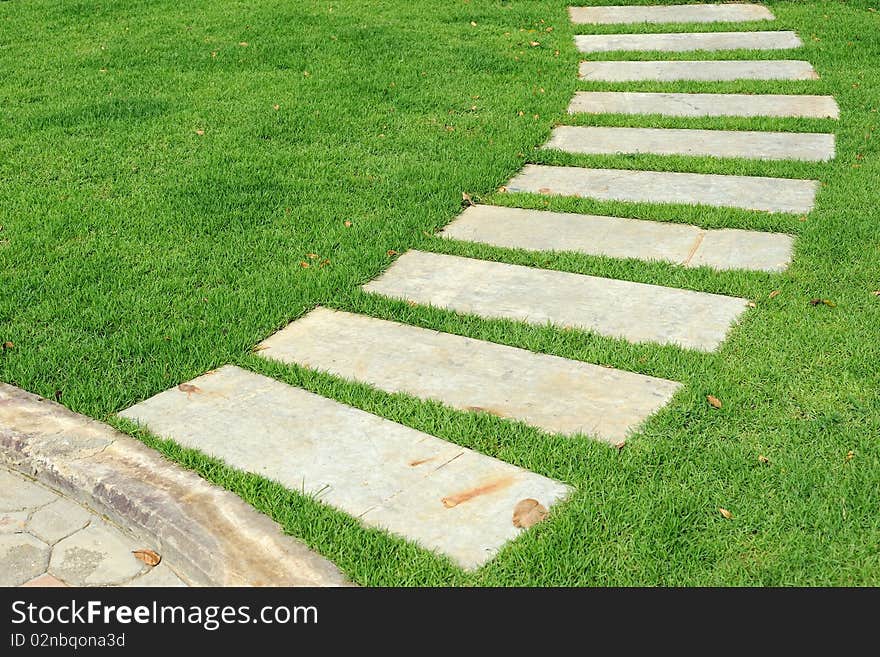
212 536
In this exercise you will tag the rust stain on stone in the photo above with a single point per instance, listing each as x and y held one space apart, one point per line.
483 409
188 388
421 461
466 495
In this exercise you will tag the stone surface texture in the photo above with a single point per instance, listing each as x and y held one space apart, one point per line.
387 475
621 309
684 13
684 104
618 237
699 70
804 146
209 536
687 41
552 393
784 195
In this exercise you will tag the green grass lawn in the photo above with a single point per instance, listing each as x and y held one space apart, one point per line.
166 167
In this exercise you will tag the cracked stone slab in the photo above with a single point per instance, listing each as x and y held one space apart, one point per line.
618 237
687 41
684 13
385 474
99 555
699 70
803 146
57 520
689 104
18 493
13 522
621 309
22 558
210 535
158 576
561 395
784 195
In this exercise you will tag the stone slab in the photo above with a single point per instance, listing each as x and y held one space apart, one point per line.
687 41
618 237
684 13
211 536
699 70
621 309
386 474
554 394
22 558
601 140
58 520
679 104
784 195
99 555
17 493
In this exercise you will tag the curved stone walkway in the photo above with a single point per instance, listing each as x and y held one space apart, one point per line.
458 502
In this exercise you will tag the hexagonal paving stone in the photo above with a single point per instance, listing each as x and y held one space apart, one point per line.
99 555
23 557
18 493
59 519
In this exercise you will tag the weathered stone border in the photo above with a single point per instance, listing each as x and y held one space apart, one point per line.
212 536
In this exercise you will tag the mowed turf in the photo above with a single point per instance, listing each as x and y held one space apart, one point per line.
167 169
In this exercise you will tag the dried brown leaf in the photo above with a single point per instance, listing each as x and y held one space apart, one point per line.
200 132
391 252
528 512
149 557
773 294
724 512
849 456
188 388
304 264
311 256
714 402
346 223
763 459
8 345
466 198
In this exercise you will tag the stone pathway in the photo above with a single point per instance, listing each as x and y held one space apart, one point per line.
47 539
453 500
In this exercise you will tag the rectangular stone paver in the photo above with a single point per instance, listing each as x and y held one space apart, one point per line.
746 192
805 146
711 70
679 104
554 394
617 237
687 41
684 13
445 497
620 309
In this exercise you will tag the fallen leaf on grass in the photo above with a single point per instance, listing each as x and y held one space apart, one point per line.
466 198
149 557
528 512
876 293
849 456
276 107
243 44
763 459
827 302
346 223
311 256
752 304
534 43
714 402
773 294
8 345
188 388
200 132
724 512
620 445
304 264
391 252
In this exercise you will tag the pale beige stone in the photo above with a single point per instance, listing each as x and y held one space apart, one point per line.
699 70
687 41
684 13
